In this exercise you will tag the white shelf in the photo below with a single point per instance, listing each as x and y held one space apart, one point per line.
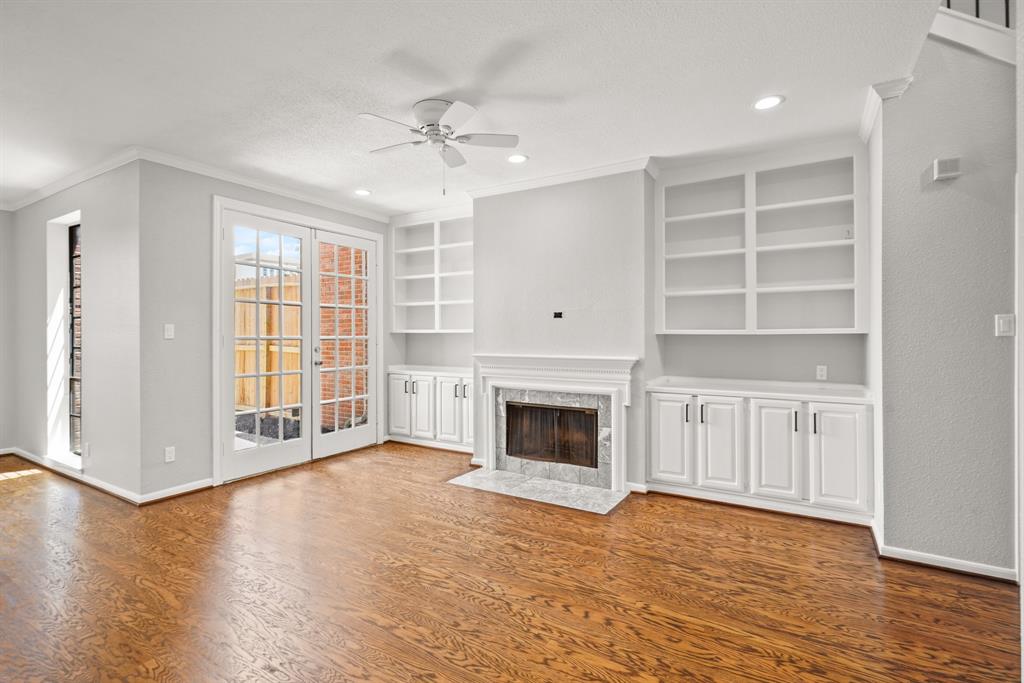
705 254
797 246
705 292
807 202
706 214
432 277
775 243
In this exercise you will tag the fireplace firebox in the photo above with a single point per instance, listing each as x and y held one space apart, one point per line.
551 433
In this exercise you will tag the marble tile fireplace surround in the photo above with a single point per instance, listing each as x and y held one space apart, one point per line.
601 383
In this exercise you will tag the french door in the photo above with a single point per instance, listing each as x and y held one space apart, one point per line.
298 314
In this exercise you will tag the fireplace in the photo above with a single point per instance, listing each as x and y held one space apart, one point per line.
547 433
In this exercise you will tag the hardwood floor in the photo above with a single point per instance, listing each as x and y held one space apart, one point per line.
368 566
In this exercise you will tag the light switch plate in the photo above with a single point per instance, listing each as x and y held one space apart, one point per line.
169 454
168 330
1006 325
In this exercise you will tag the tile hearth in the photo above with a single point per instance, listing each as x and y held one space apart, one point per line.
565 494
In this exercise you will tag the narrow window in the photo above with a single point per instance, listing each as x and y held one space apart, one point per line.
75 336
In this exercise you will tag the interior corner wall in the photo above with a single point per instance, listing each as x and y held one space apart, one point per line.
575 248
176 209
947 268
6 327
109 205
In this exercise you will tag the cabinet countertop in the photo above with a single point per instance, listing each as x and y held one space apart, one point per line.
445 370
807 391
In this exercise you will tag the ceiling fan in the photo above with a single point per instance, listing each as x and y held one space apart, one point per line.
437 124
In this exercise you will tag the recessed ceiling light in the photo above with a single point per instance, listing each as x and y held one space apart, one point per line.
362 193
769 102
517 158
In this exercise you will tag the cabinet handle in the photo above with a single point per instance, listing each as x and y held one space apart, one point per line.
796 421
465 391
407 386
702 413
456 391
414 386
686 413
815 423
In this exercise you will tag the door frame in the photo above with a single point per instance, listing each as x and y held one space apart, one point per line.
220 203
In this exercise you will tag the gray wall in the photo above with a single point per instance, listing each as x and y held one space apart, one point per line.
947 268
576 248
768 357
439 349
6 326
110 298
176 220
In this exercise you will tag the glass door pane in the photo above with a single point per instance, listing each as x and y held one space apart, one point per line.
346 350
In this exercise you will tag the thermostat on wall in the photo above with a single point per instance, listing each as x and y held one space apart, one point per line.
946 169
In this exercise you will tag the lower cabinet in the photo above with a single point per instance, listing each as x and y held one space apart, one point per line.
806 453
435 409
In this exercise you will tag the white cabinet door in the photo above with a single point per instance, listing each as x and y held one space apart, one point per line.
720 443
422 388
840 468
449 409
467 411
672 438
776 449
399 416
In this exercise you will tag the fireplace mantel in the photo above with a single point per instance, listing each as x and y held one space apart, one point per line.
603 375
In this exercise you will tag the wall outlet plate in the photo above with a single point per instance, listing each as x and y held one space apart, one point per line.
1006 324
168 330
169 454
821 373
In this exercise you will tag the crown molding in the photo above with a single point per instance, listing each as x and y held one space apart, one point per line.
868 117
983 37
463 210
157 157
641 164
888 90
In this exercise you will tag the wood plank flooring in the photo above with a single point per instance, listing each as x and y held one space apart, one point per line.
369 567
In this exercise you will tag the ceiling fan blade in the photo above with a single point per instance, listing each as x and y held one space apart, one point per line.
369 117
400 144
457 114
452 156
488 139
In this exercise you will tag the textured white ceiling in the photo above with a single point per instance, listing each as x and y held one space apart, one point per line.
271 89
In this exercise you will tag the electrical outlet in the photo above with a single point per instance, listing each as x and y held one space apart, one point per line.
169 454
168 330
821 373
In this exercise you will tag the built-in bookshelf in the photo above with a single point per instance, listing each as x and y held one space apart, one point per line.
432 275
776 246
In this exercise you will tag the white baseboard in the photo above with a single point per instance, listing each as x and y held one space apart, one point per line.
636 488
444 445
175 490
858 518
72 473
1005 573
477 462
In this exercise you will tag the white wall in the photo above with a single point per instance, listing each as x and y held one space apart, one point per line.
439 349
947 268
109 206
176 215
576 248
6 325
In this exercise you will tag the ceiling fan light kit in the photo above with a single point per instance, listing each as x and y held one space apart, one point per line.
436 123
